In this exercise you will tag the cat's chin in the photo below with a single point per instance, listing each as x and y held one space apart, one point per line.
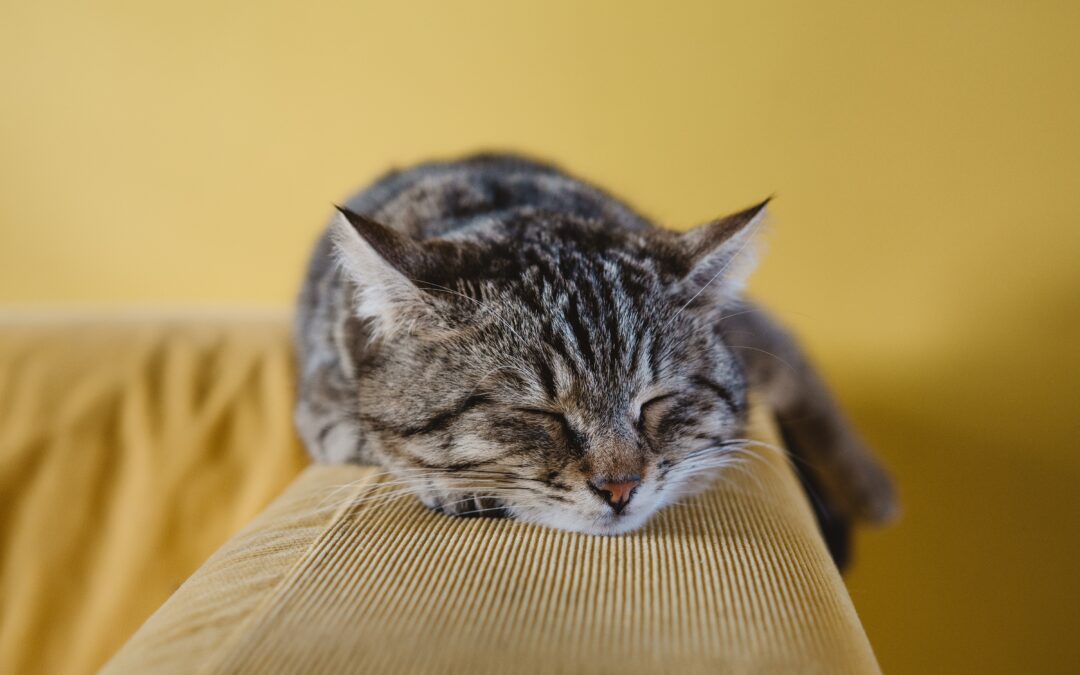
603 525
579 518
607 524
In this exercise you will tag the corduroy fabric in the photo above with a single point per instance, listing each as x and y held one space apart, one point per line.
342 574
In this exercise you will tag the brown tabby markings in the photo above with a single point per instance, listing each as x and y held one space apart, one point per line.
509 340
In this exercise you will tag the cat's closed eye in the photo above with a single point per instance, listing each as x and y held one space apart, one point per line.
651 411
570 435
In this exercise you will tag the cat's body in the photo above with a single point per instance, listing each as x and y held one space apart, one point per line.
508 339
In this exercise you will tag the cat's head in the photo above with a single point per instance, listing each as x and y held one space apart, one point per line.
549 368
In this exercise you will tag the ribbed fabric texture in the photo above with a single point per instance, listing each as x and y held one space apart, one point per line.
343 574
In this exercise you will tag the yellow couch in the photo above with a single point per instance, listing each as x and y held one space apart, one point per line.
131 447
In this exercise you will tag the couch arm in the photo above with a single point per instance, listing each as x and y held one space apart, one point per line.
341 575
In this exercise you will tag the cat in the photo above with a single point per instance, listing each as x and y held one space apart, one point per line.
508 340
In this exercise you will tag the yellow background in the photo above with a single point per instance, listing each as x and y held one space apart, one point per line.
925 158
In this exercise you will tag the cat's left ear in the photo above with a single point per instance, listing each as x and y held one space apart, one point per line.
721 256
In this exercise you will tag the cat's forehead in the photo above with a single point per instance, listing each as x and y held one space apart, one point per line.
575 308
593 342
526 237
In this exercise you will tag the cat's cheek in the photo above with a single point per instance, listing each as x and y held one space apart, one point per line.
467 448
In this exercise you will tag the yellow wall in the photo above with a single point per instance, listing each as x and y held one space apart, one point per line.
926 158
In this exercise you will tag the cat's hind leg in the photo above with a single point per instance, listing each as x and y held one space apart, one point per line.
820 437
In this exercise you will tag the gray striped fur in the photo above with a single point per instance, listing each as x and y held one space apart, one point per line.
497 334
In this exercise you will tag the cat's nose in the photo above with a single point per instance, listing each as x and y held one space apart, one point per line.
618 492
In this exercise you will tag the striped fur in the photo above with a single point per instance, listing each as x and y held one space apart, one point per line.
498 334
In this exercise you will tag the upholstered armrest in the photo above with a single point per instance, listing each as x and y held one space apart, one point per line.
341 574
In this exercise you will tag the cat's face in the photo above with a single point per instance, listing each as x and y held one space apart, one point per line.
546 370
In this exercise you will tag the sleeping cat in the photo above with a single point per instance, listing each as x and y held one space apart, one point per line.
508 340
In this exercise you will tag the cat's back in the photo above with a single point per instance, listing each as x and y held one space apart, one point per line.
435 198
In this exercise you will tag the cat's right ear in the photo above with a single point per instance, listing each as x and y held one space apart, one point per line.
382 263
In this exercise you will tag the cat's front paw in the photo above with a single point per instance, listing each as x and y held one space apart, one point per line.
468 506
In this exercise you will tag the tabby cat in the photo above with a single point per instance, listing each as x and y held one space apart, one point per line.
508 340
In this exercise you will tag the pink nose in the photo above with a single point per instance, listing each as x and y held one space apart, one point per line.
617 493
